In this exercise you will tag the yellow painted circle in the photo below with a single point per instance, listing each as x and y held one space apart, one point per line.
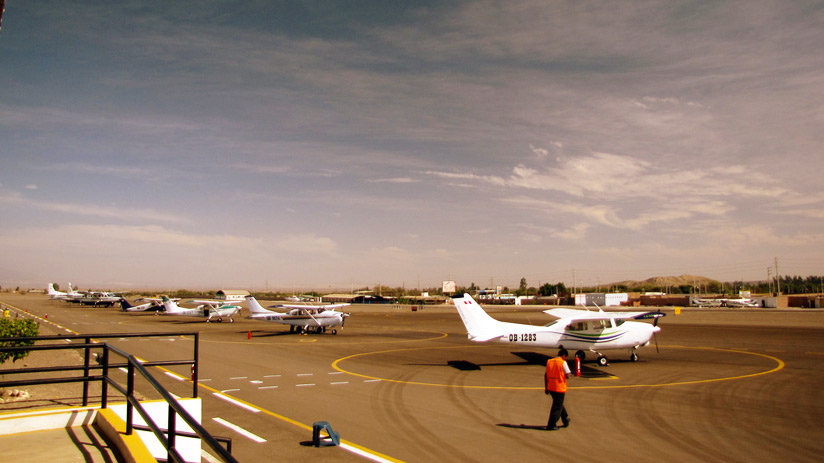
779 366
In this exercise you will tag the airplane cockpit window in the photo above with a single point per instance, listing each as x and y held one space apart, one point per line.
577 326
619 322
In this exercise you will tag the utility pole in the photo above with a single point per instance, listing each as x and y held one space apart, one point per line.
769 279
777 278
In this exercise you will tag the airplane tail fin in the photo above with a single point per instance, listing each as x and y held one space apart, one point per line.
124 304
254 305
170 306
479 325
50 289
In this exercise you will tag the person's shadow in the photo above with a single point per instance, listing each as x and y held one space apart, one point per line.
523 426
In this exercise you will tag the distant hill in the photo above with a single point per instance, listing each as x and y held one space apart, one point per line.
692 280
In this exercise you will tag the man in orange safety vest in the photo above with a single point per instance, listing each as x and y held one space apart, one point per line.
555 384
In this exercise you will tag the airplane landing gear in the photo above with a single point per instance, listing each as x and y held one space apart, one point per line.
633 357
581 355
334 331
602 361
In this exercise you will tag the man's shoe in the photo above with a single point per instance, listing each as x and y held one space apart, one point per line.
552 428
566 423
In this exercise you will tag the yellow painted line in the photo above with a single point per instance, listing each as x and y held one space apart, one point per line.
372 453
779 366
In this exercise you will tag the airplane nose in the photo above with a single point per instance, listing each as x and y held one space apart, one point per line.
656 329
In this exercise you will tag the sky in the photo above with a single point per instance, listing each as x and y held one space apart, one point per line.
334 145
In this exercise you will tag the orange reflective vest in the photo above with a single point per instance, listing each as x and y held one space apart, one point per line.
556 379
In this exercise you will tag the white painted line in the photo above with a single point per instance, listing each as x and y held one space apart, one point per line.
235 402
204 379
123 370
336 373
240 430
174 375
229 390
256 381
303 385
371 380
339 382
267 387
360 452
239 377
271 376
305 374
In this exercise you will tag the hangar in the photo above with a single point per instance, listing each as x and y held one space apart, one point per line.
231 294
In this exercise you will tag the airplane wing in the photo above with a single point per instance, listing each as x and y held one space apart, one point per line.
311 307
581 315
213 304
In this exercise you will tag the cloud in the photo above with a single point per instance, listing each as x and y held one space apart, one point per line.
92 210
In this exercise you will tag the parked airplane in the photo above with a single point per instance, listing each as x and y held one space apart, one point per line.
707 302
95 298
301 318
66 296
206 309
153 303
574 329
740 302
53 293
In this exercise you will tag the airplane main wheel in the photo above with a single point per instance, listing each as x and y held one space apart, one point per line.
334 331
602 361
633 357
231 320
581 355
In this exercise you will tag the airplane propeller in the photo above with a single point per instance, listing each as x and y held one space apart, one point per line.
655 334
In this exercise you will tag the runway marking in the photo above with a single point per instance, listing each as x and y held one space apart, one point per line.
239 377
255 381
271 376
303 385
174 375
339 382
349 446
232 400
240 430
267 387
779 366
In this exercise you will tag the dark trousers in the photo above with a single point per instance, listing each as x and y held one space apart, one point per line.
558 410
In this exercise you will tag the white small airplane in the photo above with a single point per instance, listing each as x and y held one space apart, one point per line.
69 295
153 303
739 302
301 318
707 302
206 309
53 293
580 330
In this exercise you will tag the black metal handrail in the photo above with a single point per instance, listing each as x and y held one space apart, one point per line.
133 366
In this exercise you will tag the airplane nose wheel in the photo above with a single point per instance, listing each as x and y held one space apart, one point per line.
602 361
633 357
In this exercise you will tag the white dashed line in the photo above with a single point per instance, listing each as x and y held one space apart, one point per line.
267 387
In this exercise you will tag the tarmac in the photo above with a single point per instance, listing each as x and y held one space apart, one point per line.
730 385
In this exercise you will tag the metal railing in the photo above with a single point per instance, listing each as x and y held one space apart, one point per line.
133 367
